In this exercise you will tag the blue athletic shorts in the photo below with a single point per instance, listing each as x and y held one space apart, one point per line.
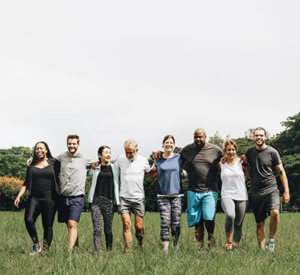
201 205
70 208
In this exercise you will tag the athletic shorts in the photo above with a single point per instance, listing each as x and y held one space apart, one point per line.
70 208
201 205
261 204
135 206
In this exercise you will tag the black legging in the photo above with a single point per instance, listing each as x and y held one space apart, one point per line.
47 207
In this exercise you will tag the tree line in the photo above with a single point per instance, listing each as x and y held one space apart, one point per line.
287 142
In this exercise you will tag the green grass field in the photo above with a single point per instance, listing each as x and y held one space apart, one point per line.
15 245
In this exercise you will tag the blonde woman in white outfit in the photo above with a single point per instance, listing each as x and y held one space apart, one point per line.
234 195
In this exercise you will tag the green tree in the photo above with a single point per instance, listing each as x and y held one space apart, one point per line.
288 144
13 161
216 139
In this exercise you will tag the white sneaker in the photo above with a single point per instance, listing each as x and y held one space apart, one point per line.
271 246
35 249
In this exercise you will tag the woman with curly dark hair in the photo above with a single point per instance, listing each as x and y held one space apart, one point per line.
43 185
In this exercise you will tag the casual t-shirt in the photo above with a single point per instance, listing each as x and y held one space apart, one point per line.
132 176
201 166
73 171
262 167
233 181
169 175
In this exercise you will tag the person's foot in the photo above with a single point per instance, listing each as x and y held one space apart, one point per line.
35 250
199 245
211 241
44 254
229 247
271 245
165 246
175 247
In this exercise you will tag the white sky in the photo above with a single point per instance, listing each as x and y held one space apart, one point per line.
112 70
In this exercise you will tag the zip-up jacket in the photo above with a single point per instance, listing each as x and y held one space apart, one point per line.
95 173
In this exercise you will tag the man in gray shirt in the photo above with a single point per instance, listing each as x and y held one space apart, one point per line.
200 160
73 172
264 198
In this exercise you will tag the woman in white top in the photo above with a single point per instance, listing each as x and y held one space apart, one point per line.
234 195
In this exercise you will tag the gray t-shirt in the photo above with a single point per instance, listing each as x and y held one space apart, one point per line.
201 166
262 167
73 172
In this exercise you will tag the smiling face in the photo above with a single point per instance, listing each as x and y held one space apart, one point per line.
199 138
105 157
72 145
230 151
260 138
130 152
40 151
169 145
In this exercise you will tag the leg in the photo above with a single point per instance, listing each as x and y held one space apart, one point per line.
274 222
32 212
165 216
48 209
199 234
139 230
72 234
164 207
209 207
107 210
176 207
228 207
96 218
127 230
240 210
260 232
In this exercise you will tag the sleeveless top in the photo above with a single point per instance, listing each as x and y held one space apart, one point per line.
233 181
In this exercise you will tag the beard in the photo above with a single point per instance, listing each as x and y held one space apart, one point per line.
260 144
72 150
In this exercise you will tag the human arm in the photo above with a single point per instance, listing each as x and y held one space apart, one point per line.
19 196
153 173
246 170
284 181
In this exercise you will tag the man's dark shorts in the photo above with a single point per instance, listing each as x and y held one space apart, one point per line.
70 208
261 204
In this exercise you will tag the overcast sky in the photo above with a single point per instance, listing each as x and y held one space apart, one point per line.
113 70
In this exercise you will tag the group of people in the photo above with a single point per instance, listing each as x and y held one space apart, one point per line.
59 183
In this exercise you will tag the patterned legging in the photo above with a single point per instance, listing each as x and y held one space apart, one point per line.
104 206
170 214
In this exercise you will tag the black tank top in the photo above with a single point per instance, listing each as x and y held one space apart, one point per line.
105 183
42 181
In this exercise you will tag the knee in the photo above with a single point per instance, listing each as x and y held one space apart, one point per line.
274 213
126 225
260 225
165 223
29 221
230 217
72 224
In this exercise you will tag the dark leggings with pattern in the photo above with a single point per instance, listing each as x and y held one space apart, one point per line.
170 214
102 206
47 207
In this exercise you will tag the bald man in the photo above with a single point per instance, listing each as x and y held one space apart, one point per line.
200 161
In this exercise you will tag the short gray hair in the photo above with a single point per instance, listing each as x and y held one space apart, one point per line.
131 143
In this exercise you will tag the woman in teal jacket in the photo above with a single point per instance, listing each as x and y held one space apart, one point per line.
105 187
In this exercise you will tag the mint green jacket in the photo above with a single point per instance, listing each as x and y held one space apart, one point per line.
116 176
